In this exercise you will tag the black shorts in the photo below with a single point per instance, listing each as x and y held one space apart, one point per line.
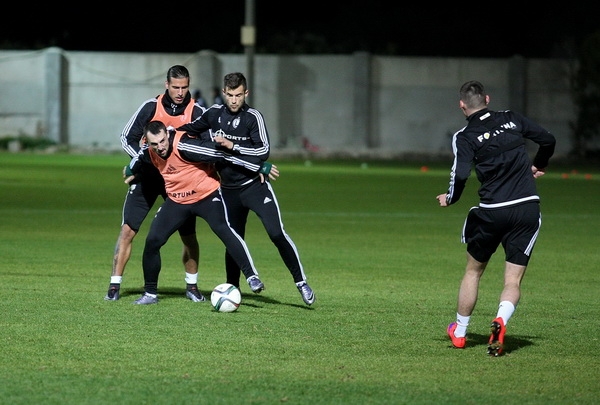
515 227
140 198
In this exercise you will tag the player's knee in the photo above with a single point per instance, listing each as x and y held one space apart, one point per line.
278 237
127 233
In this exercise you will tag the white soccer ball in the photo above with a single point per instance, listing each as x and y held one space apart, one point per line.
226 297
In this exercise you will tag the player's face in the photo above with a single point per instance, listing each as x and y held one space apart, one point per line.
235 98
159 143
178 89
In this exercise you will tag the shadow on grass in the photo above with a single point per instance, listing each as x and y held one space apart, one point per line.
264 299
511 343
249 299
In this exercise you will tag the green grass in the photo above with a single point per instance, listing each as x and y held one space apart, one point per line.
384 261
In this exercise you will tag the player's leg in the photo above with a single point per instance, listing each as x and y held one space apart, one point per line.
190 254
478 233
467 299
137 204
190 258
513 275
469 286
261 198
237 215
166 222
509 298
523 222
212 210
270 215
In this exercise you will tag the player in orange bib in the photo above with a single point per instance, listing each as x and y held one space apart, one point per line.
174 107
193 190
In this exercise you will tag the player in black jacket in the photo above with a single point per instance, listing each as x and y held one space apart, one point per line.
508 211
242 129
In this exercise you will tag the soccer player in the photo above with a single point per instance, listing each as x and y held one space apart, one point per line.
509 207
192 187
174 107
241 128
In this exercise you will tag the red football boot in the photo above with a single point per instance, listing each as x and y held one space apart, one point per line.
496 342
458 342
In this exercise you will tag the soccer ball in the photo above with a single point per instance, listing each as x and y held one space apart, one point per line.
226 297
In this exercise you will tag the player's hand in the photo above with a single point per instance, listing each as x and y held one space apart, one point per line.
442 199
128 177
226 143
274 173
537 172
268 169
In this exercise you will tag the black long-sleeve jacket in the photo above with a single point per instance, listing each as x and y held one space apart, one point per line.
505 173
193 149
246 129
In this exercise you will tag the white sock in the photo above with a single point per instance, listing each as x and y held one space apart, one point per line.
191 278
461 325
505 311
116 279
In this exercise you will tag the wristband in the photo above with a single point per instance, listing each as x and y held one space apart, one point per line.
128 171
265 168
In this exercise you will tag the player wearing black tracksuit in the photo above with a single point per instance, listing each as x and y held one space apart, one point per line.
242 189
495 142
506 177
508 214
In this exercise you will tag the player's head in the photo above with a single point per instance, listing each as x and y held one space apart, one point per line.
473 97
178 83
235 90
156 137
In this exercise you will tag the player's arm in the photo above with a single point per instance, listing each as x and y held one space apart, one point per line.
259 138
199 125
543 138
132 134
461 170
201 149
197 111
443 199
132 171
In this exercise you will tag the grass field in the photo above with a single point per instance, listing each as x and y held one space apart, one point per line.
384 261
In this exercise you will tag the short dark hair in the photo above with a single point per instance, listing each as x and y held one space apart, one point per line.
154 127
234 80
472 93
177 72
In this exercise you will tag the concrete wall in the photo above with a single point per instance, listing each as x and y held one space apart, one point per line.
22 93
343 104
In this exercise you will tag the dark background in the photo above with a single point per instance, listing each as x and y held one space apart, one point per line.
307 27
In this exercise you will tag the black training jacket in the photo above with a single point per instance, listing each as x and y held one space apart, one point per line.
246 129
494 143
